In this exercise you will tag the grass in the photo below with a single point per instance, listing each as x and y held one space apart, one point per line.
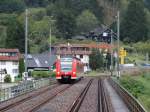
144 96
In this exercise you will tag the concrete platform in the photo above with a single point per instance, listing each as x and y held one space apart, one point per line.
117 103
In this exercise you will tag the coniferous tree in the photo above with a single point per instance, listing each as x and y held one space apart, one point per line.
96 60
12 6
15 35
134 25
65 23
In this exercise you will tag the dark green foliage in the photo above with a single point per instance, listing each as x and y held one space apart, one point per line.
134 87
7 79
96 60
15 35
108 60
146 76
9 6
21 66
65 23
147 3
36 3
80 5
134 25
86 22
40 74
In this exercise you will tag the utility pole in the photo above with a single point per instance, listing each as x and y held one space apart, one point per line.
26 42
111 52
50 35
118 40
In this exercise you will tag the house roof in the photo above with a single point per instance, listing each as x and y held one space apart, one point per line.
92 45
4 50
43 60
9 57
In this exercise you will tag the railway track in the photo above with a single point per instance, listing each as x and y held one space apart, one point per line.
48 99
78 101
39 104
132 104
22 100
104 104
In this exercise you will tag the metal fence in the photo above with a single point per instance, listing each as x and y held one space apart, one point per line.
23 88
133 104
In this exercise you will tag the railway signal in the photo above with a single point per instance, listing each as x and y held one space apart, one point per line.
122 54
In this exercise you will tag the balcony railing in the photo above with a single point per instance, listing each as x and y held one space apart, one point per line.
73 52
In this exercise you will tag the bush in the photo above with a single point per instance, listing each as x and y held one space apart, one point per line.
133 86
53 74
7 79
42 74
96 60
146 76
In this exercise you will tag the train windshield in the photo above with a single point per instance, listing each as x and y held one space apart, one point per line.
66 66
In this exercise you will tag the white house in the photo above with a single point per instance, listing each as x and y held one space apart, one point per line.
9 60
81 51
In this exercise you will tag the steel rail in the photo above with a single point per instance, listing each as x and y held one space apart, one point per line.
48 99
132 103
78 101
104 104
24 99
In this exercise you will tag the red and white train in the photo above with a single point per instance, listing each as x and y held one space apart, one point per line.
67 69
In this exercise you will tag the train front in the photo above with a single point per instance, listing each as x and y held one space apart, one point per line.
66 70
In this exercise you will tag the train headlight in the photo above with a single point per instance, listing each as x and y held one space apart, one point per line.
58 72
74 72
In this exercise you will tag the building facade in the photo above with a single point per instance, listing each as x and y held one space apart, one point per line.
81 51
9 60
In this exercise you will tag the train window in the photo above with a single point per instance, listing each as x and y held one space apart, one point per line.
66 66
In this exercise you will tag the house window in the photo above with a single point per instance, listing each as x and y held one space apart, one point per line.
15 63
81 56
2 63
12 54
15 70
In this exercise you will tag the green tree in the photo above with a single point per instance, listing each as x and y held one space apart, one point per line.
7 79
3 36
96 60
65 23
134 25
21 66
86 22
15 35
39 35
12 5
36 3
79 6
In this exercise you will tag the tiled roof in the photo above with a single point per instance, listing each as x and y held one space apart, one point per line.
40 60
94 45
9 58
8 50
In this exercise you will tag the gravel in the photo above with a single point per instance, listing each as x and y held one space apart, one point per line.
63 101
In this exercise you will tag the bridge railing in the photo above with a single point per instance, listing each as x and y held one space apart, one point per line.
24 87
132 103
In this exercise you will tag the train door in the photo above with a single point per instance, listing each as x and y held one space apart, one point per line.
74 69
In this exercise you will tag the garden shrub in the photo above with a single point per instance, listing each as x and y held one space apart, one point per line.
42 74
7 79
